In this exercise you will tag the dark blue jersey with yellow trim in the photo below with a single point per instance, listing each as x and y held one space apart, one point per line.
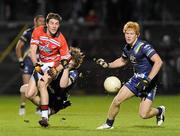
139 56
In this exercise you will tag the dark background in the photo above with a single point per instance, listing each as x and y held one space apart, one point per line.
95 26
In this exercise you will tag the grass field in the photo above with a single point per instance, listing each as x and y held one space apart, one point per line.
85 114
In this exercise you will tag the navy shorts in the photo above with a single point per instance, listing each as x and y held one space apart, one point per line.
28 66
133 81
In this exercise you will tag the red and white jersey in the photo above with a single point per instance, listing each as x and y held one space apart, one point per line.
51 49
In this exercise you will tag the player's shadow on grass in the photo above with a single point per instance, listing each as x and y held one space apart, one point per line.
60 127
66 128
147 127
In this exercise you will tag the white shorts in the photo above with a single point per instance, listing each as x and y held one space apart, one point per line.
45 67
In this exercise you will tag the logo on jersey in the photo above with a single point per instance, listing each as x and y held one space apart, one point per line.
149 49
141 75
45 49
132 59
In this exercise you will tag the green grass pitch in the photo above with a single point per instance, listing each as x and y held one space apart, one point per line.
85 114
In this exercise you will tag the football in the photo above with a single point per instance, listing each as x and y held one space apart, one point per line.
112 84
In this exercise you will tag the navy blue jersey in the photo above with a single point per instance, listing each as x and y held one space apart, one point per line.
58 97
139 55
26 37
54 85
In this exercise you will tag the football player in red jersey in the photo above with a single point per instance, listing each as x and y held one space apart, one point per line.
52 48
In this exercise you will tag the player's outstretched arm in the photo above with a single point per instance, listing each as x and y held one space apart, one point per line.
115 64
120 62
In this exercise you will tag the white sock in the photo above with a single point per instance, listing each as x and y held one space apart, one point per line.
44 113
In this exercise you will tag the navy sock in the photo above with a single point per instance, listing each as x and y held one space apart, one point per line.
22 106
109 122
160 111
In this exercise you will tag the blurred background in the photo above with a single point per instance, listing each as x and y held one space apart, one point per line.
95 26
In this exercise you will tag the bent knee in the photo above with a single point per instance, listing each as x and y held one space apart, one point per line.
117 101
28 95
23 88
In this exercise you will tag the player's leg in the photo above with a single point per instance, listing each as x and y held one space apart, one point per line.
146 111
35 99
26 75
114 108
160 117
24 88
43 83
31 92
122 95
57 102
42 86
22 109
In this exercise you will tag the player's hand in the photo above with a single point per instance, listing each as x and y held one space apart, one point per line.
65 63
142 86
102 63
21 64
52 72
38 69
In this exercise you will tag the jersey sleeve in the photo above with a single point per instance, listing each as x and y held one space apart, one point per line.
124 54
148 50
24 36
73 75
64 49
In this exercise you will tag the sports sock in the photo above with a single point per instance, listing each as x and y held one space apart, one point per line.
22 105
44 109
160 111
109 122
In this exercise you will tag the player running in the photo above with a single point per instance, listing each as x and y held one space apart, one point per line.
25 63
146 63
52 48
